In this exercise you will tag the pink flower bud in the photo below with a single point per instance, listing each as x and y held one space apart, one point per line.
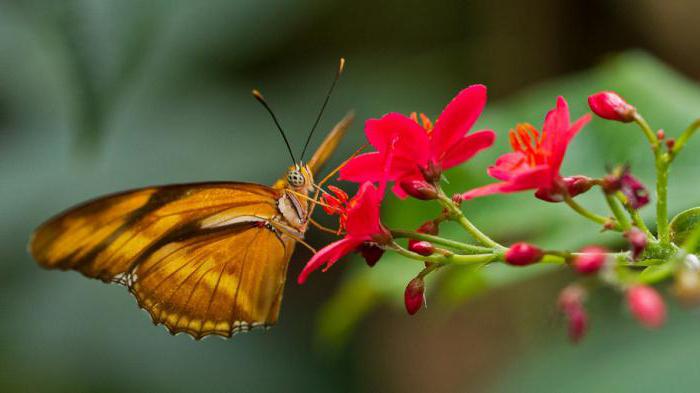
646 305
637 240
592 258
661 134
371 253
578 324
620 179
570 304
419 189
414 296
636 193
521 254
609 105
421 247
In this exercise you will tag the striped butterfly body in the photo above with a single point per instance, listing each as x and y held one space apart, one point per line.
206 258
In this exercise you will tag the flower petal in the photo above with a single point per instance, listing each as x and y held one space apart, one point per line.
457 118
329 255
467 148
365 167
508 165
411 137
363 215
529 179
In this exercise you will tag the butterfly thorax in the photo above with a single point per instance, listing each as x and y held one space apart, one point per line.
292 204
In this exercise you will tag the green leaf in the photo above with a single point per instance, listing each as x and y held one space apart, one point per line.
683 225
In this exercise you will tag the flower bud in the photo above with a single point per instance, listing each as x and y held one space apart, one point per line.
371 253
592 258
620 179
419 189
414 296
573 185
521 254
637 240
686 286
570 304
578 324
429 227
609 105
636 193
661 134
647 306
572 296
432 172
421 247
670 144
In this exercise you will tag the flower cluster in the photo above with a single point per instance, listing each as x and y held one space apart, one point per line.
411 153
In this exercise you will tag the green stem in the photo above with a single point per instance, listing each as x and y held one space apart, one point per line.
620 215
454 259
636 217
441 240
648 132
588 214
457 216
662 224
685 136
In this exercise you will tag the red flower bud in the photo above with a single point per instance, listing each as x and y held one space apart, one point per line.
419 189
570 303
609 105
429 227
371 253
578 324
421 247
521 254
637 240
647 306
414 296
592 258
670 144
573 185
661 134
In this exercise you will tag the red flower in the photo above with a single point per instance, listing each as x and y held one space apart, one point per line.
536 158
363 226
422 151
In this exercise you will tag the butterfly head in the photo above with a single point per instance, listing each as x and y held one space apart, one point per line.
299 178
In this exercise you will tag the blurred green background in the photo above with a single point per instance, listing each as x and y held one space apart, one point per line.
98 96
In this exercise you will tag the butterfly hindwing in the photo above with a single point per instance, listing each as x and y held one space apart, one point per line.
222 281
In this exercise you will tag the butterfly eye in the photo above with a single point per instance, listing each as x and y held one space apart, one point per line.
295 178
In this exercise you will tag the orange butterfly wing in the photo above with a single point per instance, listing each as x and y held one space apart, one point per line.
199 258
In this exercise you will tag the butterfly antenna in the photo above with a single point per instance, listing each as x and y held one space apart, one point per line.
341 65
261 100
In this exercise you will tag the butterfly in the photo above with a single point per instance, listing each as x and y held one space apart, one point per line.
204 258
